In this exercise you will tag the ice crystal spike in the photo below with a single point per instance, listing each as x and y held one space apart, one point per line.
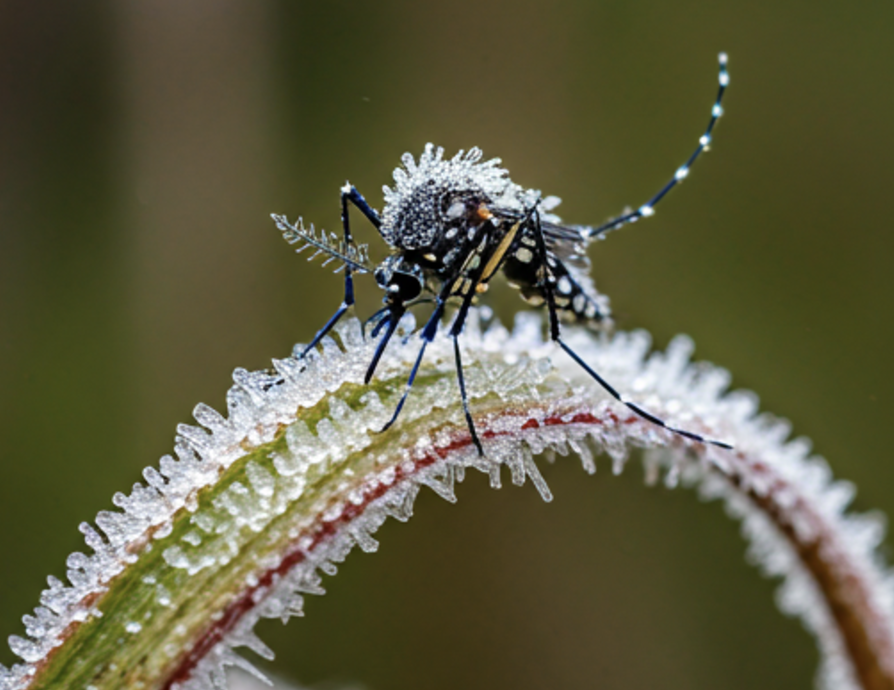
259 504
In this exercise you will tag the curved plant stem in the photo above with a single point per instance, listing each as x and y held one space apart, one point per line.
257 505
865 630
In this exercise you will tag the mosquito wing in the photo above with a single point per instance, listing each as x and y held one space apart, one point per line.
568 243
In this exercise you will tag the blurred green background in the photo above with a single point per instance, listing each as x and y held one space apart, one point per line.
143 145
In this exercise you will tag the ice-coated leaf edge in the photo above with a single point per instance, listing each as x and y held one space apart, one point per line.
256 505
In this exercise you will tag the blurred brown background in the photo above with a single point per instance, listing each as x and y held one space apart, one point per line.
143 145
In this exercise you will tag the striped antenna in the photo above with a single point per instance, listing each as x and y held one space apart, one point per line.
648 209
336 249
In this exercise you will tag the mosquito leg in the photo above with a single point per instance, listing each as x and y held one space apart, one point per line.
455 331
392 320
328 327
556 335
428 334
462 391
379 319
350 194
633 406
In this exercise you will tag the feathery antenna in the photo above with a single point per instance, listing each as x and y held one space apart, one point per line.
336 249
704 141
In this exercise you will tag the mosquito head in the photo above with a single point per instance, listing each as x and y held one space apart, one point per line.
401 279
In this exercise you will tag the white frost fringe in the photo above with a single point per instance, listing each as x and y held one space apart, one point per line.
689 395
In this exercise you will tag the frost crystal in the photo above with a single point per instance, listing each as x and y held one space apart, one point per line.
271 501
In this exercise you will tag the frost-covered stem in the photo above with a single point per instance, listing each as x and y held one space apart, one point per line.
863 627
257 505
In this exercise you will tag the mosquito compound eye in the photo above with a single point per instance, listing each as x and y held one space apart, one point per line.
405 286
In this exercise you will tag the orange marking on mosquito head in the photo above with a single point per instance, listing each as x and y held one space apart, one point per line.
484 212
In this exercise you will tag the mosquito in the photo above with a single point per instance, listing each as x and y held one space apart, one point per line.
452 224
